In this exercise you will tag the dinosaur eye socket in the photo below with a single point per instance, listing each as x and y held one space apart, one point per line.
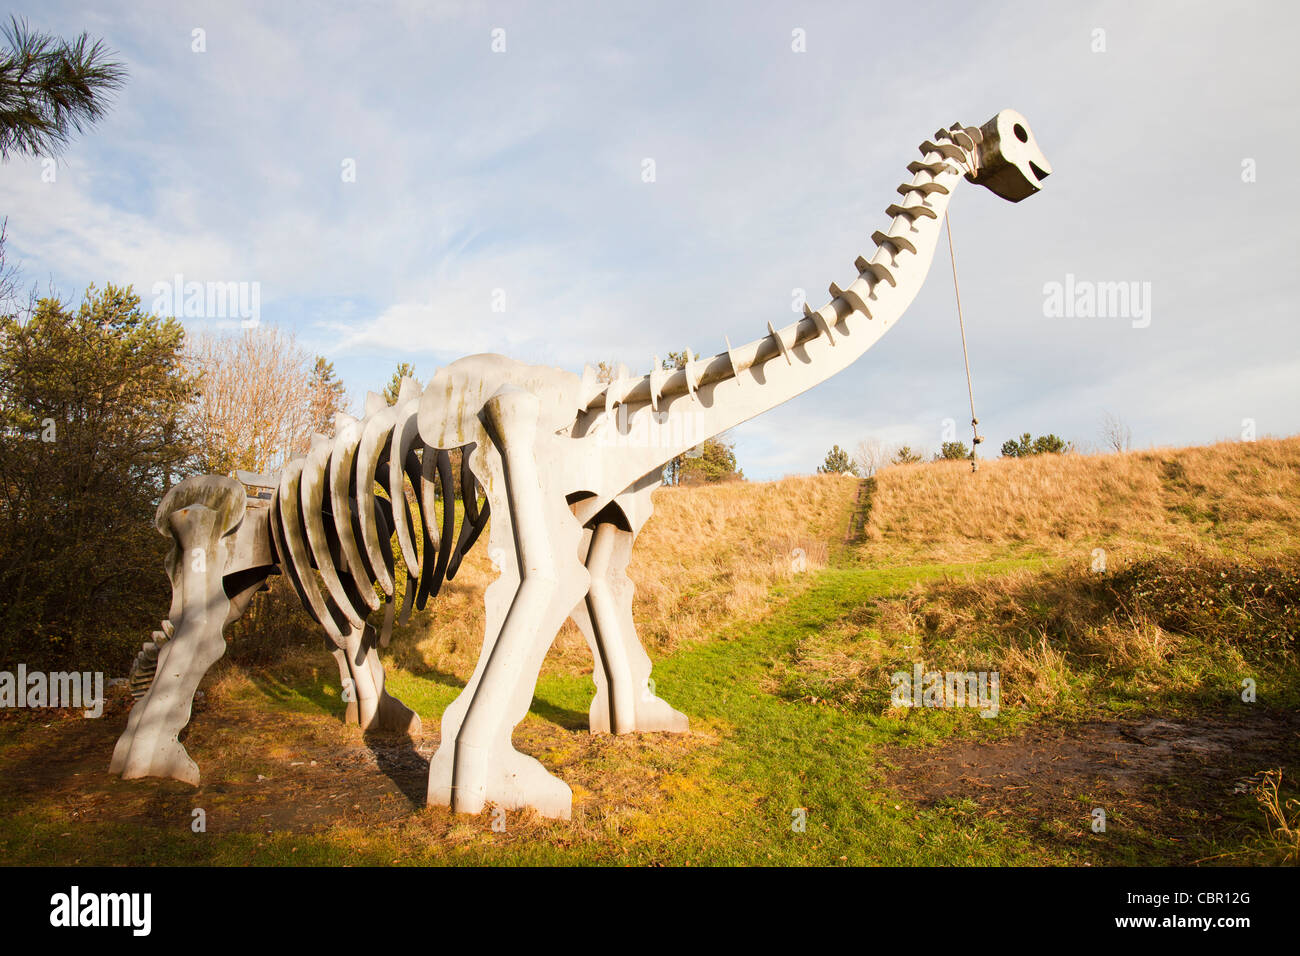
1020 133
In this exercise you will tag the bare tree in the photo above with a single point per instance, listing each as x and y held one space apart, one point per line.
871 455
261 398
1115 433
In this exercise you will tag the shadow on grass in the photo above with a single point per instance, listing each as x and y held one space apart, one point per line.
559 714
320 694
399 761
425 672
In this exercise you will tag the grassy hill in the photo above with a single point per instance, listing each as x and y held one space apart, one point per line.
1240 498
1127 603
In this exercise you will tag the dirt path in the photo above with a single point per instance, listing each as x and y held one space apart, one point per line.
1175 790
1177 785
261 771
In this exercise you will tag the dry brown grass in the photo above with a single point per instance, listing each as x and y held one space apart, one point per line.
709 555
1282 816
1184 630
1234 496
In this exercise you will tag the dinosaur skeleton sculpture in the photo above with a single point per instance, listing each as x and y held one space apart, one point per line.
567 464
315 521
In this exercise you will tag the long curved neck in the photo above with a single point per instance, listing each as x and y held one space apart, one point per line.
654 418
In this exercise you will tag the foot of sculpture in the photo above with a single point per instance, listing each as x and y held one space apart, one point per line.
468 778
654 714
650 714
369 705
392 716
168 759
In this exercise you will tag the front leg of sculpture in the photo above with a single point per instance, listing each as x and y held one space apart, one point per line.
624 700
199 514
542 580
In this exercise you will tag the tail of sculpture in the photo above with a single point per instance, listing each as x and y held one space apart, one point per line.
145 665
201 515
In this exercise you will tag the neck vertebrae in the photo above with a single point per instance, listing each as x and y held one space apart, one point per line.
662 414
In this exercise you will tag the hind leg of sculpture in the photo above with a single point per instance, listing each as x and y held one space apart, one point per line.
347 684
541 582
150 745
377 709
361 675
624 701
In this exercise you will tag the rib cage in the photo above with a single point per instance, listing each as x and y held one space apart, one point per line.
330 526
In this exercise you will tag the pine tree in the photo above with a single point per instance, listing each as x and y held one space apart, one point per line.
92 425
837 462
327 396
404 370
1026 445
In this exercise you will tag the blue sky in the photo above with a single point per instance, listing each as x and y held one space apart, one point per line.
521 171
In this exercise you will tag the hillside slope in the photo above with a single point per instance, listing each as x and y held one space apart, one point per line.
711 554
1232 497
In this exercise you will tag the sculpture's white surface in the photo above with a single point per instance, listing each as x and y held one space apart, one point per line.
566 463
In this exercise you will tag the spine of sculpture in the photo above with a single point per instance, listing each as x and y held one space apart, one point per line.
825 340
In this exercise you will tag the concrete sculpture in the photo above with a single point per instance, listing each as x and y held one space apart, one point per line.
567 465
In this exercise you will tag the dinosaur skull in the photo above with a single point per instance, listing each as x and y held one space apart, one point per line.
1008 160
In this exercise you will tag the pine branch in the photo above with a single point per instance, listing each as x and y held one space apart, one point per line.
51 89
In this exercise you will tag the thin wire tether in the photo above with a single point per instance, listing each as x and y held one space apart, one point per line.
961 324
